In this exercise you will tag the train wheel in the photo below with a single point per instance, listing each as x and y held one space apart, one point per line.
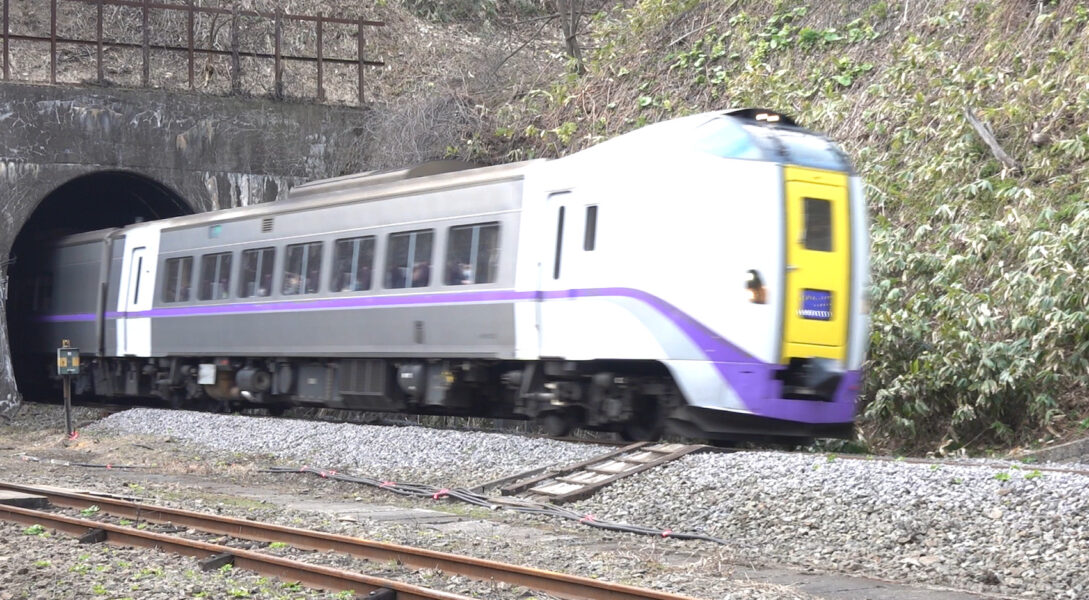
555 423
647 422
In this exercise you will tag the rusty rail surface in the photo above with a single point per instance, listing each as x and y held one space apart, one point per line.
192 50
559 584
285 569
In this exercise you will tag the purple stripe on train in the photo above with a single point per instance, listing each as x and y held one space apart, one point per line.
750 378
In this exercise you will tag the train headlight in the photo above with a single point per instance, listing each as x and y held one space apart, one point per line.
754 287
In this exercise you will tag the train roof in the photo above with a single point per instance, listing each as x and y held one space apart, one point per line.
85 237
744 133
366 187
371 178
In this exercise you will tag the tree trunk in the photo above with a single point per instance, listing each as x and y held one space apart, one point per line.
570 12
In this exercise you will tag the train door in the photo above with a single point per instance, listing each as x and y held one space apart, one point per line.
136 291
560 274
135 329
818 265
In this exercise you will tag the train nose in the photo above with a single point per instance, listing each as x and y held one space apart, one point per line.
811 378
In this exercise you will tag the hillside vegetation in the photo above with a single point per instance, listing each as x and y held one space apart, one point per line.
980 332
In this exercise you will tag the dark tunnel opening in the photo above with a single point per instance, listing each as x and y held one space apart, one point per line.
97 201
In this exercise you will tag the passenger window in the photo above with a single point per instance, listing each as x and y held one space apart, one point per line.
302 269
256 272
352 264
408 261
215 276
43 293
591 228
472 254
179 276
818 225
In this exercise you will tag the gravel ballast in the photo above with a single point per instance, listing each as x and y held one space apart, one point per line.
1016 530
406 454
1002 532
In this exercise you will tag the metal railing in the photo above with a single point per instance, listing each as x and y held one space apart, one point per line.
192 49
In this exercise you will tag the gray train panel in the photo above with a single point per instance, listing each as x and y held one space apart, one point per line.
77 270
493 203
474 330
465 330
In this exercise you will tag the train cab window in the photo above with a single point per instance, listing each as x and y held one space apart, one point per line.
352 264
472 254
818 224
256 276
590 239
215 276
302 269
408 259
179 276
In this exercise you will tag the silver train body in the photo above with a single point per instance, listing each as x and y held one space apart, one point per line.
703 275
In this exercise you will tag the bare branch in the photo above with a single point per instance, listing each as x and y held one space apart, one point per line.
988 138
524 44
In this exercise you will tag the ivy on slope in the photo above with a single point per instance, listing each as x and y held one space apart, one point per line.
979 293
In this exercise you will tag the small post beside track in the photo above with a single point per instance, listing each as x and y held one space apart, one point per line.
67 365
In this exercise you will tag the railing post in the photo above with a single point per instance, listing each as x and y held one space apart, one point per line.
359 58
279 88
98 52
321 66
236 65
191 30
52 41
147 48
7 55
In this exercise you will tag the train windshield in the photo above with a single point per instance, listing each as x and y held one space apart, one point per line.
732 138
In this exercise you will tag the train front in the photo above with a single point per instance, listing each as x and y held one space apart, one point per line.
771 236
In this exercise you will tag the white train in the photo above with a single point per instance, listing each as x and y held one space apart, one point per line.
703 275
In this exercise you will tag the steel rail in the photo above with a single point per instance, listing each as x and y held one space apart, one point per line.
572 587
315 576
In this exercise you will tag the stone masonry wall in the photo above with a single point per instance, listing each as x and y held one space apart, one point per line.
213 152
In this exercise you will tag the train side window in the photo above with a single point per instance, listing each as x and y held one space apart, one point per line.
408 259
179 276
215 276
818 225
256 272
302 269
42 300
352 264
472 254
589 241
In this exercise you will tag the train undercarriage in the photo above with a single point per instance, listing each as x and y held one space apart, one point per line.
632 398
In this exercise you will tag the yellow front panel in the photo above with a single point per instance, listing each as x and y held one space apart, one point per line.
818 264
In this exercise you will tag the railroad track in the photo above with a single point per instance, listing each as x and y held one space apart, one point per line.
557 584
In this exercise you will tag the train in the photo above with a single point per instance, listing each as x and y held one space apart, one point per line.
703 277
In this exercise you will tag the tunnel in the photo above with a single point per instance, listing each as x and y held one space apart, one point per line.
99 200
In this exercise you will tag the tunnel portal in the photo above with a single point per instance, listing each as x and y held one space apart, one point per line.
100 200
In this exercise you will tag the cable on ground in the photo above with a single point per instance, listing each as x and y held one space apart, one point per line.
534 508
